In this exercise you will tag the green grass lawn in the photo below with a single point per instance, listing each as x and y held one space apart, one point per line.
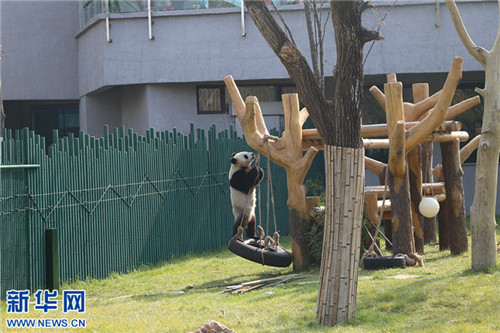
446 297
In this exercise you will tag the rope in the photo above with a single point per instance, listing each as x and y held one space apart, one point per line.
369 253
265 139
412 259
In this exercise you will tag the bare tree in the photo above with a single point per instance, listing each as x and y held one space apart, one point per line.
316 32
339 124
485 194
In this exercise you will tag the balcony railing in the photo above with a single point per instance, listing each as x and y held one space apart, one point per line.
91 8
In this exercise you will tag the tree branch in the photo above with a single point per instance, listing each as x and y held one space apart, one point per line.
368 35
374 166
479 53
417 134
295 63
397 154
467 150
463 106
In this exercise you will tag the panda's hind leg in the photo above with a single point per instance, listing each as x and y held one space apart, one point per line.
237 223
251 228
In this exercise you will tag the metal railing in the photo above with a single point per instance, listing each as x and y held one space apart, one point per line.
91 8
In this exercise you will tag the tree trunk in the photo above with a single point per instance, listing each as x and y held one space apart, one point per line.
399 185
338 123
455 206
388 234
427 177
442 218
482 214
482 218
415 179
341 240
421 93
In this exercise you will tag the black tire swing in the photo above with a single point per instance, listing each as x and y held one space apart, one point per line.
266 250
370 259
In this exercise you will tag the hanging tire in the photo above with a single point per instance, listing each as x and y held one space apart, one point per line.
384 262
252 250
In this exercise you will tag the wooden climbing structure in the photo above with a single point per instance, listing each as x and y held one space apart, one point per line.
408 126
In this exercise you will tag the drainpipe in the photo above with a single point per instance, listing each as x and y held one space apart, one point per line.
243 31
106 12
437 15
150 22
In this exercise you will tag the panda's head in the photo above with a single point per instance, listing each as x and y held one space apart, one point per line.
242 159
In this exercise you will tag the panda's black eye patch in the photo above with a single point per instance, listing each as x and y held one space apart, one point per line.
246 157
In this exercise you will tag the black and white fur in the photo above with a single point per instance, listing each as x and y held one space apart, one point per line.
243 179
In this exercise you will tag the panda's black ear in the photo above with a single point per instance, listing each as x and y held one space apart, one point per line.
233 160
232 155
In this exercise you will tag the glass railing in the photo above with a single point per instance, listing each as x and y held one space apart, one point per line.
92 8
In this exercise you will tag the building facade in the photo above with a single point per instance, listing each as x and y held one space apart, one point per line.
77 65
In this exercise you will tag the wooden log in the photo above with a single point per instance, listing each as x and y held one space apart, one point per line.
417 134
415 179
371 213
380 130
412 112
467 150
447 137
420 95
402 233
402 230
427 189
375 143
463 106
386 206
427 153
375 166
452 173
442 218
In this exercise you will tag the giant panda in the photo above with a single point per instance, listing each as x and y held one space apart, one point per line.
243 179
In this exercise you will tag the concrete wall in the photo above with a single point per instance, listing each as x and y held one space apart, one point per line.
97 110
206 45
41 52
140 107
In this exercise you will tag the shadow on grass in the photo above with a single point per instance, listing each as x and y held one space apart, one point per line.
473 272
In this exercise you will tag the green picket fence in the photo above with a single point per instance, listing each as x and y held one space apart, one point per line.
117 202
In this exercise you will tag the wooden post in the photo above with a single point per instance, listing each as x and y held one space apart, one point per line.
442 217
455 204
420 93
415 179
342 239
403 241
415 162
482 217
371 213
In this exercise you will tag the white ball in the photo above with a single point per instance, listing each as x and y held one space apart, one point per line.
429 207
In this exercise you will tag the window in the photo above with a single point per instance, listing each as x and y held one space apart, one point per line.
211 99
64 118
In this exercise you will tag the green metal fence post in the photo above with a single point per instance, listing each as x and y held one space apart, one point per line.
52 259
